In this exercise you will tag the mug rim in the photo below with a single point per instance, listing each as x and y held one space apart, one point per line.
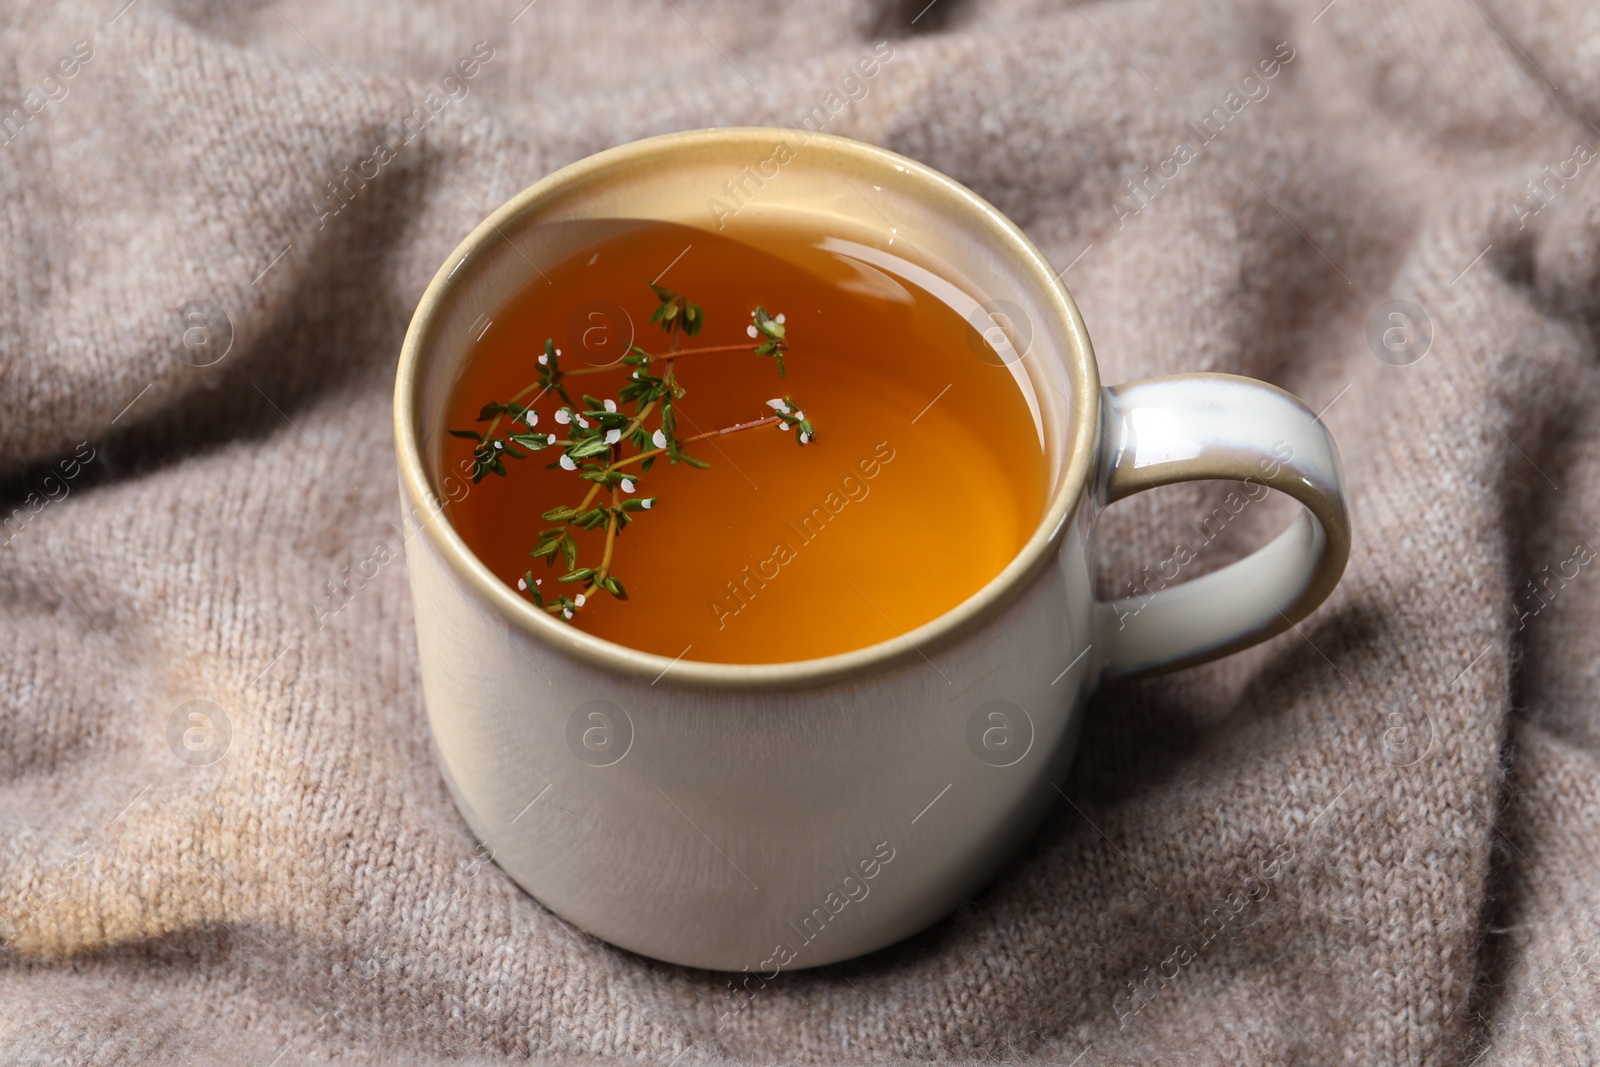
1007 585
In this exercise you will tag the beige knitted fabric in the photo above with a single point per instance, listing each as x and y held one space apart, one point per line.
1373 840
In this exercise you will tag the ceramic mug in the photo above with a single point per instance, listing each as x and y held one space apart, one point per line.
767 817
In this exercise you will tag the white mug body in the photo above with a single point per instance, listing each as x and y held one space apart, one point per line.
726 828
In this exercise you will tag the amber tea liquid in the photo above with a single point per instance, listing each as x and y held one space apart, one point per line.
927 476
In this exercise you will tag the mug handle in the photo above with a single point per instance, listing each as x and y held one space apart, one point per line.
1188 427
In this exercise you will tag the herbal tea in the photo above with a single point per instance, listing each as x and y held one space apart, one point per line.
742 451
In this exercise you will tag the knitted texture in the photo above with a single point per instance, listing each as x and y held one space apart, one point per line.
1370 840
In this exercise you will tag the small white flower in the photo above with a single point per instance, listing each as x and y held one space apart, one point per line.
563 416
538 581
780 318
805 438
647 503
611 405
627 485
613 436
531 417
567 464
550 438
522 583
579 600
566 613
776 404
582 421
750 329
659 439
558 351
544 360
799 415
497 444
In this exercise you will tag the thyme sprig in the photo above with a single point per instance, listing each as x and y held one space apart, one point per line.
612 448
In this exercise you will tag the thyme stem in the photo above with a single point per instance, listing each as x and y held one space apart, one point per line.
611 544
735 428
